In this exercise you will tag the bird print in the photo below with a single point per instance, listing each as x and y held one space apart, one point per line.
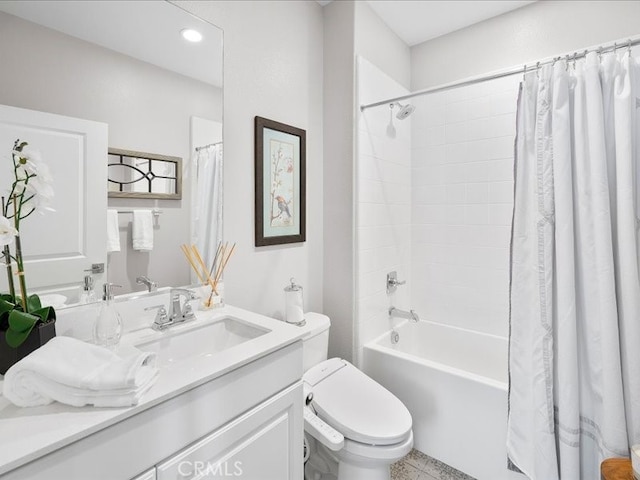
283 206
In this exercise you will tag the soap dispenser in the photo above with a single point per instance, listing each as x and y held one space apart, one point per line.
88 294
108 327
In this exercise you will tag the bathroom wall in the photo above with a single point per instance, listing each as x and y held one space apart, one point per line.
350 28
462 202
383 204
75 78
273 68
536 31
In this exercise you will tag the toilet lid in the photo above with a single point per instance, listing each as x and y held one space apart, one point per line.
357 406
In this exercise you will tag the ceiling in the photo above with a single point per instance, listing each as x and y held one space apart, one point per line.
150 31
416 21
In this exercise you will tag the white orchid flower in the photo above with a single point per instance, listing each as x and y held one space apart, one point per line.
7 231
29 159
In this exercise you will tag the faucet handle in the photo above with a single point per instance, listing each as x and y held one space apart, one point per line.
392 282
161 317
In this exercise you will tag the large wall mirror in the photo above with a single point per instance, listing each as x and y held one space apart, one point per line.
125 65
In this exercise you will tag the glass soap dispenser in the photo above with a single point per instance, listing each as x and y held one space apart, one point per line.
88 294
108 327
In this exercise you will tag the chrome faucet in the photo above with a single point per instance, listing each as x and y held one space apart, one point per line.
150 284
178 313
411 315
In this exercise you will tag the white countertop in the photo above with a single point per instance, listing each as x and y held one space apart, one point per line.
29 433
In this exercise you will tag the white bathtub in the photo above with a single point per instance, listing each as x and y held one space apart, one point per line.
454 383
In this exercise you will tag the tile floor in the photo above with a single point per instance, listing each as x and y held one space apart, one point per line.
418 466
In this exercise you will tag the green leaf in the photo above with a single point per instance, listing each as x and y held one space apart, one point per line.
33 303
6 304
46 314
20 326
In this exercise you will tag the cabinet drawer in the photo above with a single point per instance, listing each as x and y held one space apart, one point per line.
263 444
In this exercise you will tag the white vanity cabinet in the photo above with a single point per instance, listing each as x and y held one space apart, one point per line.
263 444
248 419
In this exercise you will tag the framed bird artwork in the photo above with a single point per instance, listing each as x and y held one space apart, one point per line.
280 183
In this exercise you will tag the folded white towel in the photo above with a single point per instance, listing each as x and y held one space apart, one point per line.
78 373
142 230
53 299
113 232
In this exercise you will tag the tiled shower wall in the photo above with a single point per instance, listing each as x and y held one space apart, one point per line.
462 201
383 204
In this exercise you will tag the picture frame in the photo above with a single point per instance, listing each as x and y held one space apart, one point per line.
280 183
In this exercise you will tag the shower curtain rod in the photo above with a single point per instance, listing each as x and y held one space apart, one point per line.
207 146
514 71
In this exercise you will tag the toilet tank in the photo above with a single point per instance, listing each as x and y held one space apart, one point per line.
315 341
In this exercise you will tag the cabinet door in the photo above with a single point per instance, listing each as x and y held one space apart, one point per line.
59 246
148 475
263 444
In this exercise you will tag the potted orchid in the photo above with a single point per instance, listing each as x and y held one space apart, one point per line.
24 323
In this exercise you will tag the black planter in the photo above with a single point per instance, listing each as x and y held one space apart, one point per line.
40 335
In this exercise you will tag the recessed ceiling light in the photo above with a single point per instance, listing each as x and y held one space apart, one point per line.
191 35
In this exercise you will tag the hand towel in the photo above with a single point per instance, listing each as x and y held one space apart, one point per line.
142 230
113 232
77 373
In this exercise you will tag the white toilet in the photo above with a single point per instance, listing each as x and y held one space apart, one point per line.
357 427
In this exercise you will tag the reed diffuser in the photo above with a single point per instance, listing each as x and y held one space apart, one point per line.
210 278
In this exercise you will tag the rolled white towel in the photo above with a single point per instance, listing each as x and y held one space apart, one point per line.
78 373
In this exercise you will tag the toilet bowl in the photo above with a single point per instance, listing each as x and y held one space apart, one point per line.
359 427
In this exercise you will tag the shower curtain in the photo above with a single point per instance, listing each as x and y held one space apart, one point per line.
207 218
574 360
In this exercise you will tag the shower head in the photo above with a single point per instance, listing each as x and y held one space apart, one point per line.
405 110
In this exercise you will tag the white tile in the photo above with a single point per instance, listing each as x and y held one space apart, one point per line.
456 112
455 194
500 170
456 132
500 214
504 102
432 136
430 195
477 193
454 173
501 192
456 152
500 147
454 214
476 172
429 214
480 107
428 175
476 214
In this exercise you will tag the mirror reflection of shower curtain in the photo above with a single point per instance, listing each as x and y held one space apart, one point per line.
207 220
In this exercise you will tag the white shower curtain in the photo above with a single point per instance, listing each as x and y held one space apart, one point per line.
574 394
207 214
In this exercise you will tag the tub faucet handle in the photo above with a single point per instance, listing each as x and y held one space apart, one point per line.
392 282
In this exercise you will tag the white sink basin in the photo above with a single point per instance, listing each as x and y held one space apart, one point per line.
201 341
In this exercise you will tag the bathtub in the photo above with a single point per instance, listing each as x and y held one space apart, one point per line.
454 383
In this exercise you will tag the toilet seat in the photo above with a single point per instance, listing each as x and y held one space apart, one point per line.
356 405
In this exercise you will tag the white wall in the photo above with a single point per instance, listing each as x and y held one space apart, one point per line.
539 30
383 205
273 68
57 73
338 195
350 29
380 45
462 202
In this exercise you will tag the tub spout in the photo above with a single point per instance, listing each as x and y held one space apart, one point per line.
410 315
